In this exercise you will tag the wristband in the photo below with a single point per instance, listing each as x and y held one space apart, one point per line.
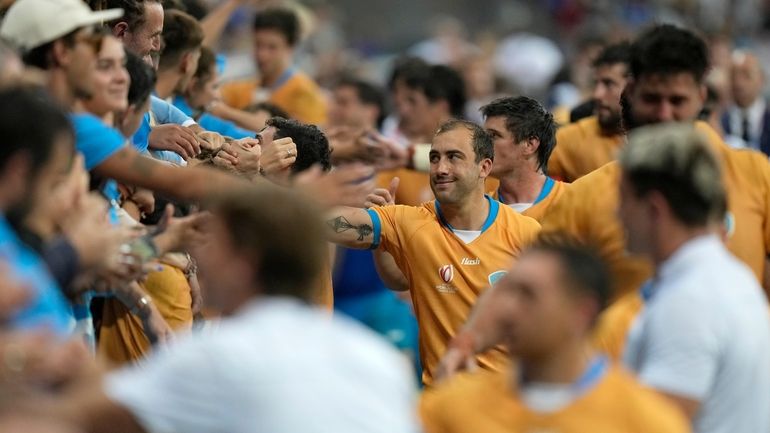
142 304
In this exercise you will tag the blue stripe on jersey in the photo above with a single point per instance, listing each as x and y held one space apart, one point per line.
547 187
494 208
377 228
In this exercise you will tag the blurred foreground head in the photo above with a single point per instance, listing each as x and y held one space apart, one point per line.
264 241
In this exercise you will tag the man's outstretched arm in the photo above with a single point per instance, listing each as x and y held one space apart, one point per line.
352 227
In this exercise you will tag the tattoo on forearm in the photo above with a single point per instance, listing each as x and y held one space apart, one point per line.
341 224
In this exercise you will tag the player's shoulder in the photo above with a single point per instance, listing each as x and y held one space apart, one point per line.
300 81
513 219
581 128
598 183
464 386
641 405
747 162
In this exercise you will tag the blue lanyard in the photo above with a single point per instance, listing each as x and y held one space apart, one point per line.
547 187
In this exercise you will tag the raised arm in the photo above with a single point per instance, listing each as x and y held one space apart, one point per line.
187 184
351 227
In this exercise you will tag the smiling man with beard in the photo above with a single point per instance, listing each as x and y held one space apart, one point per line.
588 144
449 250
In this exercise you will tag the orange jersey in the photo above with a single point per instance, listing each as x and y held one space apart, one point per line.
445 274
552 190
486 402
122 338
581 148
588 210
615 322
298 94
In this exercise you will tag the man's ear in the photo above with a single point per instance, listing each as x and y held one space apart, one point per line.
120 29
184 64
60 53
532 144
16 173
486 168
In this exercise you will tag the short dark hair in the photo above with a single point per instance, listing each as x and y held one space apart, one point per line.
482 141
142 79
181 34
281 232
30 122
583 271
438 83
40 56
133 11
272 109
282 20
368 94
206 61
526 118
407 66
666 50
614 54
312 145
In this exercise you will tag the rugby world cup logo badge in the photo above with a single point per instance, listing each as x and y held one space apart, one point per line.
447 272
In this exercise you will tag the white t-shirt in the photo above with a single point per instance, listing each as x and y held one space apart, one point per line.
705 335
278 366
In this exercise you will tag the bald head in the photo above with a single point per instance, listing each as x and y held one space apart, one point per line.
748 78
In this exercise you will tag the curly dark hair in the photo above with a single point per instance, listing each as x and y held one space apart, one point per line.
312 145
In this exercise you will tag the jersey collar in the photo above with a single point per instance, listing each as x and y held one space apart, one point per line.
547 188
494 208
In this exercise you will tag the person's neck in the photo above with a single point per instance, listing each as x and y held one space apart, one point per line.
60 90
565 366
41 227
673 239
521 186
166 84
270 79
614 129
469 214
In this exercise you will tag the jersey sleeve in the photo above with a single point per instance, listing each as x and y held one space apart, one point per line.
166 113
386 228
224 127
95 140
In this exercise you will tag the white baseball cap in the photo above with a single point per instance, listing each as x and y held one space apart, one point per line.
32 23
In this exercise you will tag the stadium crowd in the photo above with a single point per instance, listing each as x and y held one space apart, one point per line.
187 247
